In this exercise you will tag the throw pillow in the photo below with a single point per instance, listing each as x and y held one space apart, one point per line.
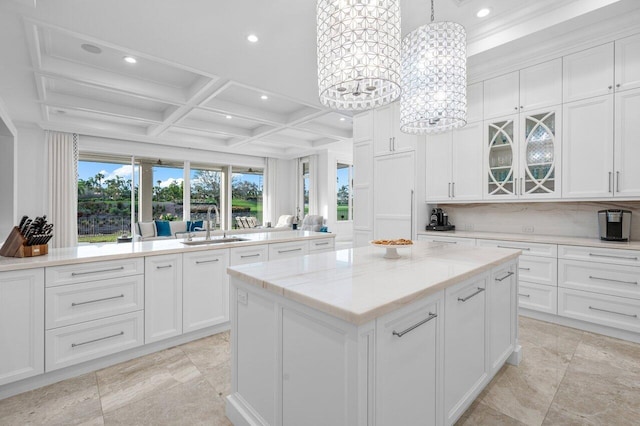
163 228
192 225
147 229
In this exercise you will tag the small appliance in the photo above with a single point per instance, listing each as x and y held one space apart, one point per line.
439 221
614 225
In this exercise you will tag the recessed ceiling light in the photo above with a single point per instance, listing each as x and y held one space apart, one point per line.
483 12
130 59
252 38
228 117
264 97
342 119
91 48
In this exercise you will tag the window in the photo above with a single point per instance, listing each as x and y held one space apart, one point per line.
168 188
344 193
205 192
306 183
104 200
246 194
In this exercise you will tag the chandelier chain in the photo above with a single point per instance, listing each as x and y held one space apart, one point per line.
432 12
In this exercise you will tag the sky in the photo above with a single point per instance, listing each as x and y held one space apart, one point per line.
167 175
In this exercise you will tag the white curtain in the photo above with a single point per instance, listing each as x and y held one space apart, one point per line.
270 191
63 188
313 185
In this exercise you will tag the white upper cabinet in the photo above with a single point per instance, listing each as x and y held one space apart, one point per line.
466 149
541 85
363 126
587 149
387 137
438 167
627 148
588 73
501 95
475 99
628 63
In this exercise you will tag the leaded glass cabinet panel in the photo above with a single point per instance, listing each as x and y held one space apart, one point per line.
502 157
539 157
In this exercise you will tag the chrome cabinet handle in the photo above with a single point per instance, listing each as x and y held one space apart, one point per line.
164 266
613 281
521 186
524 269
618 181
289 251
411 217
96 300
505 277
610 182
199 262
449 190
75 274
610 87
516 248
453 190
446 242
394 143
73 345
390 145
524 295
464 299
613 312
413 327
249 255
322 244
614 257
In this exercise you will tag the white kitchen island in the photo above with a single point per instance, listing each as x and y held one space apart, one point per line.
352 338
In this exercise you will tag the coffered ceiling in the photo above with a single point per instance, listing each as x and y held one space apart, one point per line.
197 81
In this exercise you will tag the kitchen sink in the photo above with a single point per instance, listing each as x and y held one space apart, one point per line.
214 241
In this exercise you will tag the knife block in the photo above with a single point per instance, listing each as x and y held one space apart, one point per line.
15 246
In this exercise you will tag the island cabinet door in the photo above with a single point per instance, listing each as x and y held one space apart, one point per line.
318 371
162 297
407 355
501 306
205 289
464 345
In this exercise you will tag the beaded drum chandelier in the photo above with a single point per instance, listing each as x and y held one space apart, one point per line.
358 53
434 78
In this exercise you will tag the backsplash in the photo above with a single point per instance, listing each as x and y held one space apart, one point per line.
574 219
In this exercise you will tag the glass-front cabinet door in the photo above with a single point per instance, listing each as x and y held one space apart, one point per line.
540 151
502 154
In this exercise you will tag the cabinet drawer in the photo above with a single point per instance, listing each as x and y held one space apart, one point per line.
285 250
74 344
538 297
447 240
251 254
616 280
72 304
597 254
322 244
601 309
541 270
529 249
83 272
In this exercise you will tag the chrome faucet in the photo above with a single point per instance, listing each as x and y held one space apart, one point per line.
217 212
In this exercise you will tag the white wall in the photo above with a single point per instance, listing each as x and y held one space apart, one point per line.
286 186
575 219
31 172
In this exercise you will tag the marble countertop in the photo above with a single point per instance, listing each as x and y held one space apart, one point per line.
359 285
111 251
531 238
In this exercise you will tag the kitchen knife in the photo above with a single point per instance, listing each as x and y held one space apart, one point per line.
22 221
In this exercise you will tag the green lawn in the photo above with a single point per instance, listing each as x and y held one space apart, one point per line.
343 210
110 238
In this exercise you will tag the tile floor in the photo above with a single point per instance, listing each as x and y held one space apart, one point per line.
567 377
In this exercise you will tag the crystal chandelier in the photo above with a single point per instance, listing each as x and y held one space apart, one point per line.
358 53
434 78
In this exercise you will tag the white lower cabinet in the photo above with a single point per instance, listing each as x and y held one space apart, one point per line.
501 312
21 324
93 339
464 346
538 297
320 245
251 254
613 311
408 351
205 289
163 297
447 240
287 250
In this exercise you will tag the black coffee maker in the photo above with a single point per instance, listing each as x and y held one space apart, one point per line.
439 221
